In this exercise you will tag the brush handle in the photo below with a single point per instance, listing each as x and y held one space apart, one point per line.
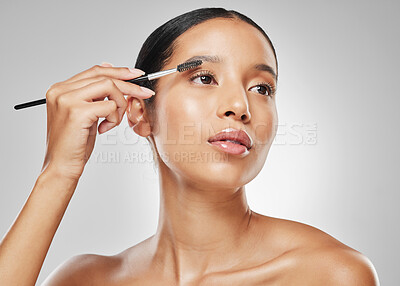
138 80
30 103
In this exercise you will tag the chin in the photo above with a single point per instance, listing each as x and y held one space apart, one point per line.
214 169
229 174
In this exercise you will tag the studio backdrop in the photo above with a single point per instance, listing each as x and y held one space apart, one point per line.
334 163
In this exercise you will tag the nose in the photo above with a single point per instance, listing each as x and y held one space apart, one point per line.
234 103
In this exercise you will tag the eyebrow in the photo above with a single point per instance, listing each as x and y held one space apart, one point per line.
216 59
267 68
211 59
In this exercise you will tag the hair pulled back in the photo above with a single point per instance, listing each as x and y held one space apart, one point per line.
159 46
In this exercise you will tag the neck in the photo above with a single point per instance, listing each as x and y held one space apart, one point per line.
198 227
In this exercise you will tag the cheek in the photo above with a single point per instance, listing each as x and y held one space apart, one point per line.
264 122
181 117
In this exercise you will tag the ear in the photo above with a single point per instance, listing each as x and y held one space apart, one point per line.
137 117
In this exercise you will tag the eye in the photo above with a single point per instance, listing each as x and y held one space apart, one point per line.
203 78
264 89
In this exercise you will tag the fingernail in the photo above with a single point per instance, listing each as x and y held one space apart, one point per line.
106 64
147 90
136 71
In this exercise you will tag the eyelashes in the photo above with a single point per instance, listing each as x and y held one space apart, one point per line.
206 77
203 75
265 85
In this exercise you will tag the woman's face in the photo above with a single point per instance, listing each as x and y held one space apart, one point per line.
227 91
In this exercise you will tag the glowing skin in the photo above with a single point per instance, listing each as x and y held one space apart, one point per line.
203 204
207 234
203 107
206 231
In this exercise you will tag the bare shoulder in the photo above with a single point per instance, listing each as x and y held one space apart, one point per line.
123 268
315 257
81 269
340 266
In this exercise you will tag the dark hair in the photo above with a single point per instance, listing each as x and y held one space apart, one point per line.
158 47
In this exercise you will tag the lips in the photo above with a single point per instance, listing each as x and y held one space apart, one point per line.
234 136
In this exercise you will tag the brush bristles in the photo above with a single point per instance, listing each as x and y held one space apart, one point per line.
189 65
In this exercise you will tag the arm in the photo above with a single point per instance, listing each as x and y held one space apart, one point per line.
24 248
74 107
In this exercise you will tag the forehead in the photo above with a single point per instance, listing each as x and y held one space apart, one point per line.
230 39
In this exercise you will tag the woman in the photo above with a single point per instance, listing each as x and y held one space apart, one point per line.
207 234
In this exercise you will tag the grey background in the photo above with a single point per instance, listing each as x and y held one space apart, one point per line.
334 164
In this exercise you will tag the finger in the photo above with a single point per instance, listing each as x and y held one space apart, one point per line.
99 90
126 88
108 123
114 72
107 109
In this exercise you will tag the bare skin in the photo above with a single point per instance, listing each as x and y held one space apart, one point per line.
207 234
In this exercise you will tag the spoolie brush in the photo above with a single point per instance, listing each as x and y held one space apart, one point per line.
180 68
